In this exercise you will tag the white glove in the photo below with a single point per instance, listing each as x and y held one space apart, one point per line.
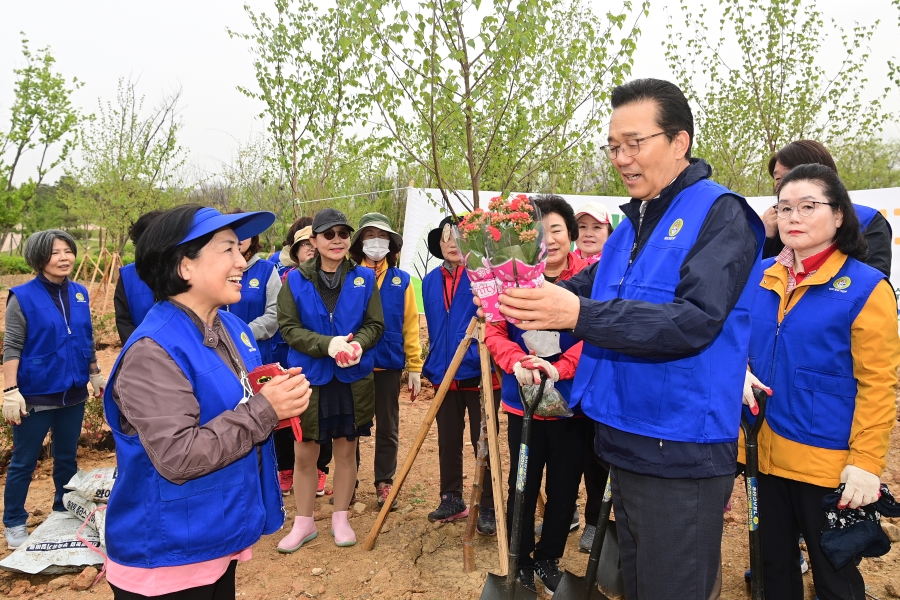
860 487
750 382
415 385
536 362
340 350
13 406
98 382
356 355
524 375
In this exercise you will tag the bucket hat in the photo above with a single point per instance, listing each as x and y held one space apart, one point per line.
378 221
434 237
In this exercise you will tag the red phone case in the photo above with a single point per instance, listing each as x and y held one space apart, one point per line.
258 378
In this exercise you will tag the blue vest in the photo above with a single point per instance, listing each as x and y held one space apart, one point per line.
807 360
389 352
865 215
253 302
357 288
446 328
152 522
139 295
57 351
694 399
510 386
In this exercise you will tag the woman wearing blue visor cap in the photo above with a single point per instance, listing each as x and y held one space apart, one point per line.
197 482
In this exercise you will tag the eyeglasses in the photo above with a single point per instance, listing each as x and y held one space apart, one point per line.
804 209
628 148
329 235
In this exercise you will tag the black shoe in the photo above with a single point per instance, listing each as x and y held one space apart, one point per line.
549 574
451 509
487 522
526 578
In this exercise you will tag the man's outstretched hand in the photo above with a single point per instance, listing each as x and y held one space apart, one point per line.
548 307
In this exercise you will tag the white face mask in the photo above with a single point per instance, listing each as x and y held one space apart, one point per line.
376 248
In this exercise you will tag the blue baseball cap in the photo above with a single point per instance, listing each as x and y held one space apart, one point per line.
245 225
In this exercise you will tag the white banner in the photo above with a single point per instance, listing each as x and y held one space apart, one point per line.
423 213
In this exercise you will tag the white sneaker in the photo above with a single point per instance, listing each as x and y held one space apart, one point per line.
16 536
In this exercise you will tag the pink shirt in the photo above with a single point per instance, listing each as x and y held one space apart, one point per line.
166 580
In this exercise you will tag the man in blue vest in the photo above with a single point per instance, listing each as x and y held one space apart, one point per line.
665 317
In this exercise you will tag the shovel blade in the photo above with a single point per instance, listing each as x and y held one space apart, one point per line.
573 587
496 588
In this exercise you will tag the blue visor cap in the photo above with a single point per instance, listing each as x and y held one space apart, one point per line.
245 225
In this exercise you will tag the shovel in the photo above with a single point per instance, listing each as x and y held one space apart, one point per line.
751 473
498 587
573 587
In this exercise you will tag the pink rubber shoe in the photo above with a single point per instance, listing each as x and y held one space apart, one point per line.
304 530
341 530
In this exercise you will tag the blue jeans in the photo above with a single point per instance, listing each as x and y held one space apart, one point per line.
65 426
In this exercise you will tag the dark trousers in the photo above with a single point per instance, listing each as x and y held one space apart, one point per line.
788 508
387 425
558 446
451 423
670 534
64 425
595 473
222 589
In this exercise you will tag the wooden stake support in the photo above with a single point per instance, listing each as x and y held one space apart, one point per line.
472 522
474 331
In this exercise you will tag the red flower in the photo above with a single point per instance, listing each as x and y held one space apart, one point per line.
495 233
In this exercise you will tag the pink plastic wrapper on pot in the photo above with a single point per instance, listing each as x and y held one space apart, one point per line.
516 274
486 288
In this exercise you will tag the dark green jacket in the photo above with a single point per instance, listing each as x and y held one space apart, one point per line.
316 345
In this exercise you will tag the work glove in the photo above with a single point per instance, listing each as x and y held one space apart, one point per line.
98 383
13 406
356 355
860 486
524 375
538 363
415 385
750 382
340 350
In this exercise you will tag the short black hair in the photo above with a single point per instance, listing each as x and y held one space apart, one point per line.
39 247
158 253
673 114
802 152
138 227
549 204
849 238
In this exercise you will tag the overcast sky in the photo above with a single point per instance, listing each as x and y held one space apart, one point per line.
167 44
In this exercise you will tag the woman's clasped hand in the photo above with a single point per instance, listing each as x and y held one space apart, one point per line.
288 394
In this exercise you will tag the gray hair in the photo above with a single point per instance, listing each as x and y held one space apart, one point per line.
39 247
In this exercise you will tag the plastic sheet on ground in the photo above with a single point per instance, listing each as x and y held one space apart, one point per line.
54 548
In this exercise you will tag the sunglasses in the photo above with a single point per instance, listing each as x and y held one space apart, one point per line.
329 235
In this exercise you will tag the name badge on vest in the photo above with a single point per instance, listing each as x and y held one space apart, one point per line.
840 285
246 339
674 229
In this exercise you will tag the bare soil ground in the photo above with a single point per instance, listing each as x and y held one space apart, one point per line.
413 559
